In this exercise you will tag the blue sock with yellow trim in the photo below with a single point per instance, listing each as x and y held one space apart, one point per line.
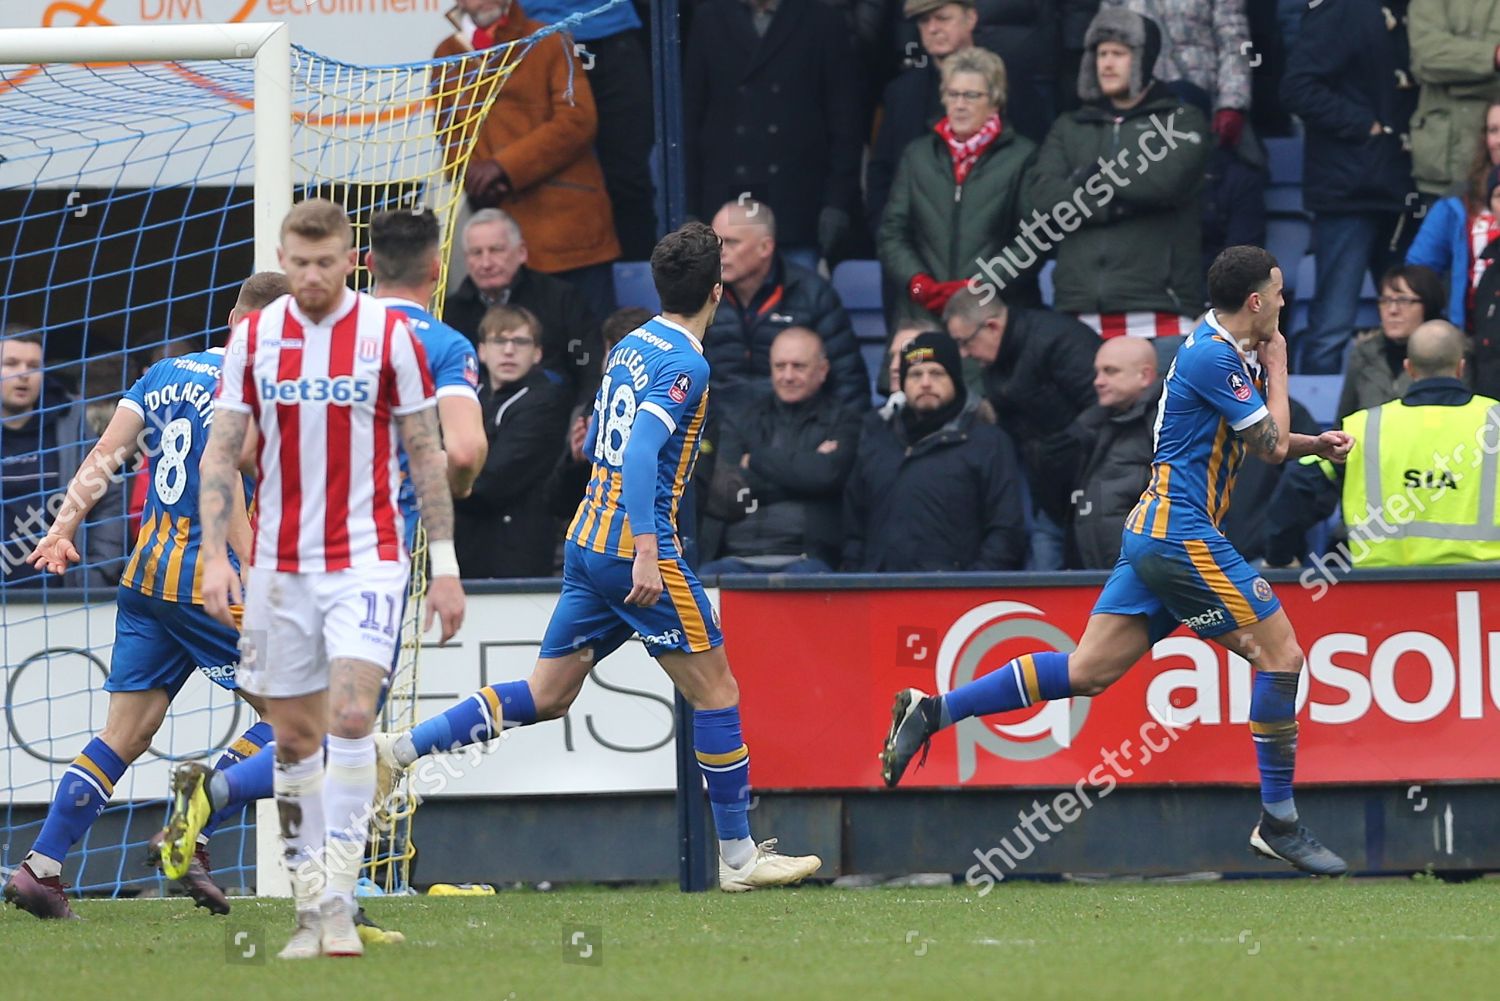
246 746
477 718
1035 677
1273 727
81 796
725 762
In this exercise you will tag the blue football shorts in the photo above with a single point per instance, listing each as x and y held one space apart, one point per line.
159 643
1204 584
592 612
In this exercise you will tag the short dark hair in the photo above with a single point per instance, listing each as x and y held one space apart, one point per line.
404 244
1422 281
1237 272
620 323
21 332
685 267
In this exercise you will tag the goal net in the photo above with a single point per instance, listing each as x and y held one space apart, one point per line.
145 173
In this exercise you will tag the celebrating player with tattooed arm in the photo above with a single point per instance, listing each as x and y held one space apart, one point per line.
318 387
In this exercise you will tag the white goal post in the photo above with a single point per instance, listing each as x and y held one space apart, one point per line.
268 45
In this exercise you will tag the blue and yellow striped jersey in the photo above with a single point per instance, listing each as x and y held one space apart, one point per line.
175 398
1212 391
657 372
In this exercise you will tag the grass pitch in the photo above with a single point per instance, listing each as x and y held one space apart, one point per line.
1274 938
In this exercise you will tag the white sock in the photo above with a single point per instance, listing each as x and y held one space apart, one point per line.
737 851
347 798
42 866
403 750
299 803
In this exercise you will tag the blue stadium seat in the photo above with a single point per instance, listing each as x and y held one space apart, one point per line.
1044 279
1319 394
634 287
1284 158
858 286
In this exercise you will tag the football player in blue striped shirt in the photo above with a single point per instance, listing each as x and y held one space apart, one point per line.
162 633
1225 395
624 573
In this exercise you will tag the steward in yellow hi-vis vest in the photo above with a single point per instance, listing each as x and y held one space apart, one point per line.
1422 487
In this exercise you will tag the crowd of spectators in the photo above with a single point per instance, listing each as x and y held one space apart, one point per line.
965 145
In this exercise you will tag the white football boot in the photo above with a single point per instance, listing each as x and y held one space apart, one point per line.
767 867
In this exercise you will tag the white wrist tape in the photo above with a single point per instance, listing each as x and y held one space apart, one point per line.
441 558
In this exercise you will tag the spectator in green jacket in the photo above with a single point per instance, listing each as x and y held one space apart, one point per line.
956 198
1455 56
1115 192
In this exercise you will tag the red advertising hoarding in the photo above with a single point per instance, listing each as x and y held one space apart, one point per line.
1402 684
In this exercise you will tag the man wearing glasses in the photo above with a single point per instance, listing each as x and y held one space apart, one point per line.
503 527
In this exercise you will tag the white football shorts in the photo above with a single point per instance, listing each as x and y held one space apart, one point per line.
296 623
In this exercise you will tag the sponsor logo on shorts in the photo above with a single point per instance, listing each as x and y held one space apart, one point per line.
223 672
1206 619
680 388
672 637
1262 589
1239 387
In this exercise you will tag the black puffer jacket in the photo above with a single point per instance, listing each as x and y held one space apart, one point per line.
951 501
1041 381
1341 78
738 343
792 492
1116 450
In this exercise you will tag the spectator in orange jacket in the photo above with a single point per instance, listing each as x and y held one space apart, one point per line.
534 155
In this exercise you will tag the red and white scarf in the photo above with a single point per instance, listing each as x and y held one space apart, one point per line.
966 152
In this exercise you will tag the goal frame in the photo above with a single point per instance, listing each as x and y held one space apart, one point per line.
267 45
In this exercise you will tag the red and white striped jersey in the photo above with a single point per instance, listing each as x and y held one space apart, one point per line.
325 398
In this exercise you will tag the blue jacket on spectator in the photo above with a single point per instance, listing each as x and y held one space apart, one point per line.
1442 244
1341 79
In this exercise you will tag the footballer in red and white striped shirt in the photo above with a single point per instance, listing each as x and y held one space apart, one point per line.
325 386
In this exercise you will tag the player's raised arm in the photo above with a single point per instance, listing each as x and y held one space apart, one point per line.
114 449
1269 438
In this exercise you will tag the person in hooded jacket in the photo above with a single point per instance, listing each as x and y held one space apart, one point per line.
1117 185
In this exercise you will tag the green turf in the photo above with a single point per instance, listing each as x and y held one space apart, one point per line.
1284 939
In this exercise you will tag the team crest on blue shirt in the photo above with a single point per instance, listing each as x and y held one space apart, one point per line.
368 349
1239 387
471 371
1262 589
680 388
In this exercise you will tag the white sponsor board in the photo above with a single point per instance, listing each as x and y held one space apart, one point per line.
365 32
617 738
